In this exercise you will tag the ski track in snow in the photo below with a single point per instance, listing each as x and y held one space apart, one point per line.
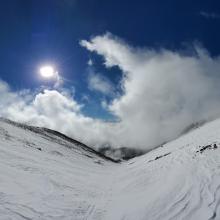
42 179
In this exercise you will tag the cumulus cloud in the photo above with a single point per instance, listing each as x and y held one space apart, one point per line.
163 91
53 109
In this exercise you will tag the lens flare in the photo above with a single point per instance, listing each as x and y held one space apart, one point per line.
47 71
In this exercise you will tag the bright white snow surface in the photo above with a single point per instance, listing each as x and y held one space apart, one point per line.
61 180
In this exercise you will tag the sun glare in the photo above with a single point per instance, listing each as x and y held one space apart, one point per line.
47 71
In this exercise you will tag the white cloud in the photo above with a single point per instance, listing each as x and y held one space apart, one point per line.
100 83
162 93
52 109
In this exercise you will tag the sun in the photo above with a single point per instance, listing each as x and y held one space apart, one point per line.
47 71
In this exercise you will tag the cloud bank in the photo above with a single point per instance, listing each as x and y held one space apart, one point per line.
163 91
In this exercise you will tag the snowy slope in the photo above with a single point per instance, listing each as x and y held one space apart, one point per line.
45 176
60 180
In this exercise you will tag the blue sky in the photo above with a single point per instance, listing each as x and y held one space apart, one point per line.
103 52
48 31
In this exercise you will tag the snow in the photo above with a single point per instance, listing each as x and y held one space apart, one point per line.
44 176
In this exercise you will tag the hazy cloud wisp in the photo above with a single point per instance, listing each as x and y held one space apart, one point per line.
209 15
98 82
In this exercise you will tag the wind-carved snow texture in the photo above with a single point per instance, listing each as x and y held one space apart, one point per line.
43 175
